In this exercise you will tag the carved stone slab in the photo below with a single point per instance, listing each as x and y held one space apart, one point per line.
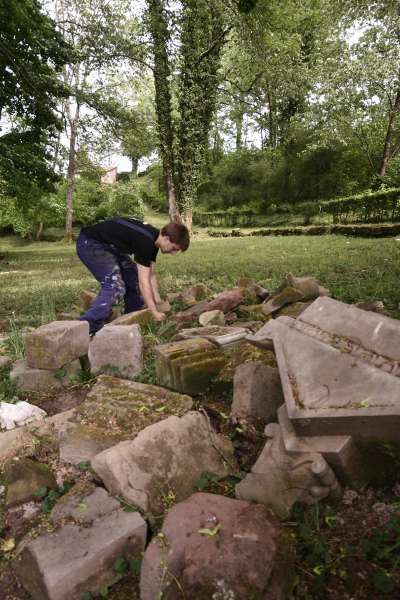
340 371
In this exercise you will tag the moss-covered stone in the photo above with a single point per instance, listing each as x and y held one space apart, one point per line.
24 477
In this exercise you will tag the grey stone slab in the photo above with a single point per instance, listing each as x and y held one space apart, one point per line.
167 457
84 503
56 344
333 385
117 350
372 331
78 559
263 338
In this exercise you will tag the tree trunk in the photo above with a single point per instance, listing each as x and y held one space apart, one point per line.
173 211
39 232
386 155
135 163
74 121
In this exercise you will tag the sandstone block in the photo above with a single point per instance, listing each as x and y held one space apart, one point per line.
78 559
24 477
117 350
168 456
257 391
56 344
32 379
212 317
212 566
138 317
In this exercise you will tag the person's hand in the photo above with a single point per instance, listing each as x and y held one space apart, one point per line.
159 316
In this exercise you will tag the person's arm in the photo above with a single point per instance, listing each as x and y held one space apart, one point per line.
146 290
154 283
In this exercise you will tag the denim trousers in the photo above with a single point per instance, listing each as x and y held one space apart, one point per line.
117 275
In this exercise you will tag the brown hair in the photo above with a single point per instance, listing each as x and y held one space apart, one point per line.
178 234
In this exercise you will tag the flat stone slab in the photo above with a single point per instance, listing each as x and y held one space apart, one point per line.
117 350
84 503
339 368
77 559
165 458
257 392
218 334
56 344
24 477
116 410
138 317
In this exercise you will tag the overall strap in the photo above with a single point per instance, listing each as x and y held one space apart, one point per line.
135 227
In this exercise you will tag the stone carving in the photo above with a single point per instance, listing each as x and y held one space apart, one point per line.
279 479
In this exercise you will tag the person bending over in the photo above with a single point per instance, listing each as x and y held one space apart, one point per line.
105 248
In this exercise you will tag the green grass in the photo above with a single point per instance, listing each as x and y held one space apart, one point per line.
38 279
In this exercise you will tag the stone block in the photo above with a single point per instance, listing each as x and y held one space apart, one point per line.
171 357
56 344
338 383
114 410
279 480
212 317
242 560
117 350
24 477
76 559
38 380
166 457
84 503
138 317
288 295
228 300
217 334
257 392
263 338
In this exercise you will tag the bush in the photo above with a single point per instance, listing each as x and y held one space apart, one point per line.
126 201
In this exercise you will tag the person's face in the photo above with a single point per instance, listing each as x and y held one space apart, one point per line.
168 247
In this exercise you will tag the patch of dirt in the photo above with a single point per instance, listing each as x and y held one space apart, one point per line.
65 400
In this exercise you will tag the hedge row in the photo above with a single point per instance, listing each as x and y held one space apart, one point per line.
370 207
361 230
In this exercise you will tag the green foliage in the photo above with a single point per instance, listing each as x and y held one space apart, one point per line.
126 201
50 497
370 207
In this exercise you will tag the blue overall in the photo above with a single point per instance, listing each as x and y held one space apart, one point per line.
117 275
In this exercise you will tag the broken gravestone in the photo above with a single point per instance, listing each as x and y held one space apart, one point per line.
188 366
79 557
164 460
117 350
219 335
340 371
56 344
115 410
279 479
257 392
211 546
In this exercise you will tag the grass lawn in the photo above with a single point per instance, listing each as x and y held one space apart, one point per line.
38 278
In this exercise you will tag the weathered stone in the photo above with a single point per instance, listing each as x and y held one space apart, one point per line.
373 306
84 503
138 317
327 340
251 309
85 299
250 284
339 451
263 338
308 286
257 392
68 316
79 559
56 344
279 479
24 439
170 358
32 379
293 310
186 561
5 361
200 291
117 350
167 457
219 335
212 317
114 410
193 312
164 306
24 477
239 354
227 301
287 296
